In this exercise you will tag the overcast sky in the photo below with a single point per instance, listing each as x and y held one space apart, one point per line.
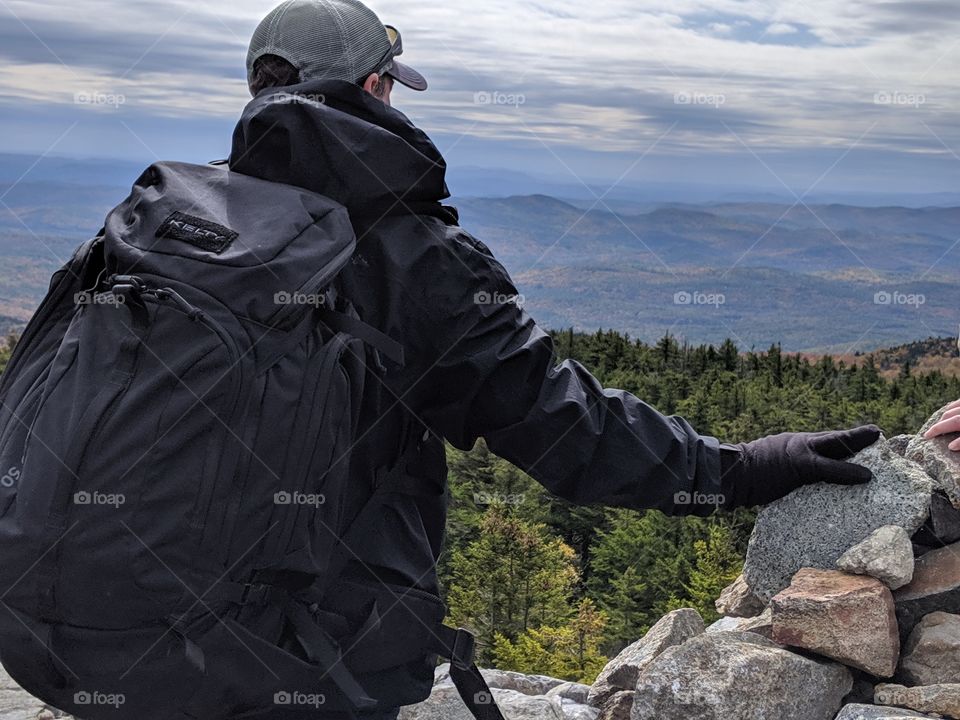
852 94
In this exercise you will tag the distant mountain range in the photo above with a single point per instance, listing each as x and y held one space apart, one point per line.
827 277
833 278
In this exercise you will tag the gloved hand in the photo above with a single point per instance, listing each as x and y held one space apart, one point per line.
759 472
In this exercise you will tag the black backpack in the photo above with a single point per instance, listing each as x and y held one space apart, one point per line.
175 433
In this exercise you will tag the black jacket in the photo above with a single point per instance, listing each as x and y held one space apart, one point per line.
477 365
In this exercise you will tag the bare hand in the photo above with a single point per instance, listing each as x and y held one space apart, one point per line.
949 423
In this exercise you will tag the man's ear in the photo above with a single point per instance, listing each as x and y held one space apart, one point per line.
371 83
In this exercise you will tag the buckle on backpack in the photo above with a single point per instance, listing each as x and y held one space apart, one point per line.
463 648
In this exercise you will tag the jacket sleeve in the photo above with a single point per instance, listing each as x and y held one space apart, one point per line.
494 377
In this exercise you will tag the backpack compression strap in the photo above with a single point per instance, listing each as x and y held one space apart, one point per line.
458 645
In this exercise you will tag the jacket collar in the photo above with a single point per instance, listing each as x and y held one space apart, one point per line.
334 138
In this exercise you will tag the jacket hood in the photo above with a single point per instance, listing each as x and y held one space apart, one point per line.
334 138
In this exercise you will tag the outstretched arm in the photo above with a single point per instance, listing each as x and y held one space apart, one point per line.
589 444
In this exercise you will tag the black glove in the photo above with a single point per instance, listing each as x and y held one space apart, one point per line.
759 472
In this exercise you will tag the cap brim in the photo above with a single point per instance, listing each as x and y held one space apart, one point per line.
407 75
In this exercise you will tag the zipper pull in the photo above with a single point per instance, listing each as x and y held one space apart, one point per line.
131 289
194 313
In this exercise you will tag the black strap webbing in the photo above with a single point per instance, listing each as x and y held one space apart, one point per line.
384 344
323 651
458 645
475 692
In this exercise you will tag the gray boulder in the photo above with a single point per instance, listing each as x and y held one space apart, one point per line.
762 624
944 519
738 600
931 655
942 464
622 672
816 524
618 707
876 712
17 704
445 703
738 675
726 624
937 699
504 680
570 710
575 692
941 528
900 443
887 555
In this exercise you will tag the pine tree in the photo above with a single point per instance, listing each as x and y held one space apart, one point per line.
570 652
515 576
717 564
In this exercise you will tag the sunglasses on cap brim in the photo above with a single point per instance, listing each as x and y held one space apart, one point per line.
387 65
396 48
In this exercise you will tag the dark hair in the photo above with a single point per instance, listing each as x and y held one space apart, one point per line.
272 71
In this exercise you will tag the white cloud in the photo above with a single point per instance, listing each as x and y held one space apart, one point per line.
603 73
781 28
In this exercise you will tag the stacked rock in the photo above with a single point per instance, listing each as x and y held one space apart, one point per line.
848 608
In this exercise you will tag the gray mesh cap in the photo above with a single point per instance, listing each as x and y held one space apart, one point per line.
337 39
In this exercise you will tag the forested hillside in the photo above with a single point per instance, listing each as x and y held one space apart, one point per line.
551 588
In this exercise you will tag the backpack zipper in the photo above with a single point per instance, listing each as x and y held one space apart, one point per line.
208 490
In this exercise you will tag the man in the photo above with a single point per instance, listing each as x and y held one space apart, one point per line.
322 73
